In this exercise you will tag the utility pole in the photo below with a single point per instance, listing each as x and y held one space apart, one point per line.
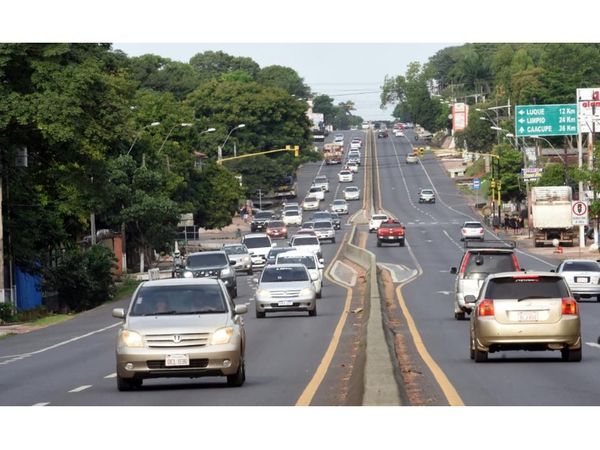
1 240
581 194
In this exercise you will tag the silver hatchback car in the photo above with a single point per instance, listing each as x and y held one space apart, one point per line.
180 328
285 287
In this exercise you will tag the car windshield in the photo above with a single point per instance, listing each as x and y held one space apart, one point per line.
315 189
235 250
257 242
427 191
263 215
206 260
580 266
472 225
324 224
276 224
277 274
308 261
526 286
321 179
308 240
485 263
159 300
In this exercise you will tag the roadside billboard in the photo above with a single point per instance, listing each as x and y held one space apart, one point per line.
460 116
588 109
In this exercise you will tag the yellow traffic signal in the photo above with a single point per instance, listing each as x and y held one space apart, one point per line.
288 147
493 184
421 151
296 151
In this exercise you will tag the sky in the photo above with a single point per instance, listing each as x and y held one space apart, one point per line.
344 71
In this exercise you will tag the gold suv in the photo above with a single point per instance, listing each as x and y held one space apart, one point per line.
180 328
524 311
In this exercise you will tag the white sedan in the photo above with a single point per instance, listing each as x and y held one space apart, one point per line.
292 217
339 206
472 230
352 166
311 203
376 221
345 176
352 193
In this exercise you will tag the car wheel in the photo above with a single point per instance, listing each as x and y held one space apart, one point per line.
459 315
378 243
571 354
249 271
333 240
320 293
238 378
128 384
234 293
471 352
260 315
480 356
313 312
402 243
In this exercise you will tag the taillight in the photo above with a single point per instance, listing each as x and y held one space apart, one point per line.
569 306
463 266
486 308
516 262
481 230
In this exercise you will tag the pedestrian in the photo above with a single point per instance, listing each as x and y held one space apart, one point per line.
506 222
244 214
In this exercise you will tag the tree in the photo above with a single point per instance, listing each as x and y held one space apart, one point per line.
211 65
284 78
324 104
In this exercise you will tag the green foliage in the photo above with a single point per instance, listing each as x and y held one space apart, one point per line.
211 65
82 278
511 162
6 313
219 196
283 78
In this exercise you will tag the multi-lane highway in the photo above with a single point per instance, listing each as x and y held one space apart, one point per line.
72 363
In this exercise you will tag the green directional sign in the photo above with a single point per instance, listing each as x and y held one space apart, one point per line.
545 120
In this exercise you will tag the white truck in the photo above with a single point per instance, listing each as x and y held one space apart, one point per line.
318 126
551 215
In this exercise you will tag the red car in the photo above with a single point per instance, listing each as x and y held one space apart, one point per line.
276 229
390 231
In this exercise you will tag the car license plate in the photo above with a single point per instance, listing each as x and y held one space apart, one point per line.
177 360
390 238
286 303
582 279
528 316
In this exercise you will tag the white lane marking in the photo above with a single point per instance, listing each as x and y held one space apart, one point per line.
111 375
81 388
593 344
452 240
60 344
41 404
444 292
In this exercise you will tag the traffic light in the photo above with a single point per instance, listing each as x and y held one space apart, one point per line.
296 151
493 184
421 151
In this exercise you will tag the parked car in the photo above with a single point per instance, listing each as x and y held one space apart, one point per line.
285 287
214 264
180 328
376 221
472 230
339 206
259 245
478 261
582 276
524 311
311 262
351 193
240 256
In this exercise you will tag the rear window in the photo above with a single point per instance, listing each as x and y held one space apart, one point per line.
276 224
390 225
380 217
484 263
257 242
282 274
321 179
581 266
308 261
339 202
206 260
472 225
263 215
518 288
309 240
322 224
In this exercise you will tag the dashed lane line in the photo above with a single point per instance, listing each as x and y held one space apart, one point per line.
81 388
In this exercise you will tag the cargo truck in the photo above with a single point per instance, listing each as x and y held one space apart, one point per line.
551 215
332 153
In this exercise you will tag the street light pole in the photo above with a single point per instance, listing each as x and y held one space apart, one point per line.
220 148
170 131
153 124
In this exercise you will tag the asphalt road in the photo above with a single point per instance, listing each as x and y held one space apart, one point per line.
73 363
433 236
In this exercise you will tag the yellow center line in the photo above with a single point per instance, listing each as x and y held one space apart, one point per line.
311 388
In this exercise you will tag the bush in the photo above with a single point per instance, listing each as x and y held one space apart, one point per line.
82 278
6 313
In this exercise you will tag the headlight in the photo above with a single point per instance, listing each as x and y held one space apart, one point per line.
188 274
222 336
246 259
130 338
263 293
226 272
307 291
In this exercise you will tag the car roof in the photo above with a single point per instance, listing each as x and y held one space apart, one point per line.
180 282
525 274
298 252
211 252
255 235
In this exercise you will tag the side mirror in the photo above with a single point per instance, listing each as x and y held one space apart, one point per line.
453 270
240 309
552 270
273 244
470 299
314 276
119 313
321 261
232 263
523 269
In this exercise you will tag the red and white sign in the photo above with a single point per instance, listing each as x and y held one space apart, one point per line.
460 116
588 109
579 213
